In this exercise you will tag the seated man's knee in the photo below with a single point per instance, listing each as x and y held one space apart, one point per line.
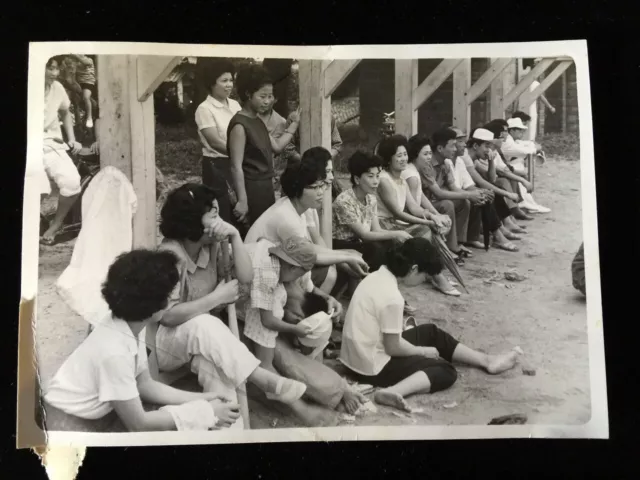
447 207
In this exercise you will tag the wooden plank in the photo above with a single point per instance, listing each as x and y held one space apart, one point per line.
127 138
524 83
434 80
315 125
336 72
564 102
529 97
113 128
143 164
461 85
496 92
152 71
486 79
406 81
509 82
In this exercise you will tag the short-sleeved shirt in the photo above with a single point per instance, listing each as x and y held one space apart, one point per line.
433 173
198 278
461 174
55 101
348 210
257 160
86 73
214 114
103 369
281 221
368 319
412 172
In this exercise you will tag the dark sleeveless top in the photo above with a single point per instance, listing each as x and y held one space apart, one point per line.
257 163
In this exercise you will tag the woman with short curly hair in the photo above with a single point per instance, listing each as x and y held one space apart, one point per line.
250 146
188 332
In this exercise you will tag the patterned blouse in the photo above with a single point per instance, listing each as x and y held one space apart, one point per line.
348 210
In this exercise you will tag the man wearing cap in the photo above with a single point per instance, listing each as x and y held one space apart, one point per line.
515 151
273 267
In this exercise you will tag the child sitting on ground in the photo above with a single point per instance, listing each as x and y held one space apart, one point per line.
274 266
109 371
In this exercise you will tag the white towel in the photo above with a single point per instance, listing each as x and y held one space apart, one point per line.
108 206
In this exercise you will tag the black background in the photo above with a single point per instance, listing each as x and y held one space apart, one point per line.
611 32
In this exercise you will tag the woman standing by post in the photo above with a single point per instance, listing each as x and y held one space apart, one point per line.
250 146
212 118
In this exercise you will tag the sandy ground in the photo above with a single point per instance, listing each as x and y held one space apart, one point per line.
543 315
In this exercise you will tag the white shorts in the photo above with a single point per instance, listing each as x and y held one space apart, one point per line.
61 172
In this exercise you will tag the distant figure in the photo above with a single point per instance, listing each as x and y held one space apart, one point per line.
577 271
533 108
86 78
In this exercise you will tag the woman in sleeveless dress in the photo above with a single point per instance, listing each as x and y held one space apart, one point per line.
250 146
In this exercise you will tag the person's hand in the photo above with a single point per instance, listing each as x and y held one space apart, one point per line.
553 109
334 305
489 195
75 147
227 292
292 317
211 396
301 330
226 412
429 352
358 265
220 230
476 197
95 148
527 185
241 210
294 117
402 236
513 196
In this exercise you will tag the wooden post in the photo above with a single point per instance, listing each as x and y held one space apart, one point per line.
528 98
520 92
127 137
315 125
461 85
564 102
496 92
406 82
509 81
436 78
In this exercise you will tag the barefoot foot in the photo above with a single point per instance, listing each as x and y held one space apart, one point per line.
501 363
352 400
391 399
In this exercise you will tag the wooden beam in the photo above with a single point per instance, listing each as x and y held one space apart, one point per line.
127 138
529 97
461 85
406 81
315 125
336 72
564 102
436 78
524 83
152 71
496 92
495 69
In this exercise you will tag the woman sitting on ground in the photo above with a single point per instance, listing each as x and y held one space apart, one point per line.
418 360
188 333
394 198
250 146
303 187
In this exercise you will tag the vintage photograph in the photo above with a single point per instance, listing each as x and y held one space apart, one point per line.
232 245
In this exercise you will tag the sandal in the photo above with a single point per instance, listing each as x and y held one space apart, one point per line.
464 251
509 247
511 236
408 309
476 244
453 292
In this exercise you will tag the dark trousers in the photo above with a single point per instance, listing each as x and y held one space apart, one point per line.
458 211
260 196
482 215
440 372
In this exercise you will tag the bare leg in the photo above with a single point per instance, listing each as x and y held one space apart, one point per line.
64 205
394 396
492 364
277 387
351 401
86 95
265 355
330 280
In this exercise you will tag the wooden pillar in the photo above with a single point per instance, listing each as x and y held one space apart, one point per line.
406 82
180 93
564 102
315 125
496 93
461 85
509 82
127 137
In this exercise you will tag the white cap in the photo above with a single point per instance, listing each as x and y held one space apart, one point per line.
516 123
321 326
483 134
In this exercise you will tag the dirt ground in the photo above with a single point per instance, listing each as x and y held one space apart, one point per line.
543 315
